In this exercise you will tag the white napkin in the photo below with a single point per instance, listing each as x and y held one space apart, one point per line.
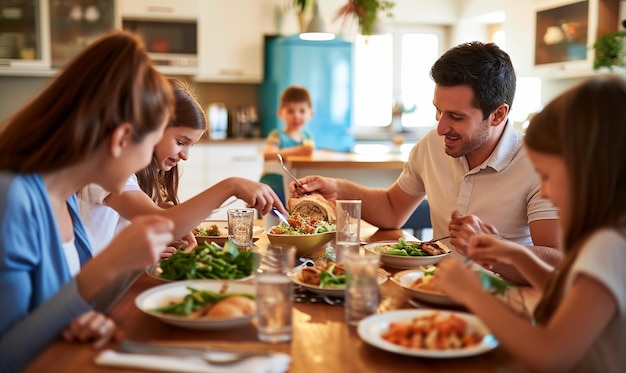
276 363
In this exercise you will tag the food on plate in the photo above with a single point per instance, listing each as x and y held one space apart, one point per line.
206 303
425 282
333 275
212 231
313 206
302 225
407 248
209 261
437 330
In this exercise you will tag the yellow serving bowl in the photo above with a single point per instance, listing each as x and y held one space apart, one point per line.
306 244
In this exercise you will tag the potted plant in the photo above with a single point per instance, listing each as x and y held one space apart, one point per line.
365 11
610 51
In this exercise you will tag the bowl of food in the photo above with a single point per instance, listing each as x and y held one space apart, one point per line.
216 231
311 225
409 254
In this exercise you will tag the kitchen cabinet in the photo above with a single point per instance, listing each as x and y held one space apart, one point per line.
565 32
211 162
24 38
230 37
38 36
74 24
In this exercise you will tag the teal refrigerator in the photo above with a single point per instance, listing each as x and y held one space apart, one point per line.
325 68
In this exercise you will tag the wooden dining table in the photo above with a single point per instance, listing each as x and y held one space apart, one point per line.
321 339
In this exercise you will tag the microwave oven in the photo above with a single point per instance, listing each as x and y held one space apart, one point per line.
171 43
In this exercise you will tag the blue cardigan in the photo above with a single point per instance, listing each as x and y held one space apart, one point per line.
39 297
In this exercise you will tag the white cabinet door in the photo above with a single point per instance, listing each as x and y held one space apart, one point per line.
230 38
211 163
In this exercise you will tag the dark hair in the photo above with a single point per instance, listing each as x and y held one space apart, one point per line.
162 186
586 127
295 94
484 67
109 83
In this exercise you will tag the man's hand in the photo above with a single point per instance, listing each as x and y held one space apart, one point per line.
462 227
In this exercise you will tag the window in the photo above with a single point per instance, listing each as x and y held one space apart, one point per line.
393 70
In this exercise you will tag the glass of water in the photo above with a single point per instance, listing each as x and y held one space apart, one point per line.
240 226
362 293
274 294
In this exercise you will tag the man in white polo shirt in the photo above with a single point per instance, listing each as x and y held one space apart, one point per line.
473 166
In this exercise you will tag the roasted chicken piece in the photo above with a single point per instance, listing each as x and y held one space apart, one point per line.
310 275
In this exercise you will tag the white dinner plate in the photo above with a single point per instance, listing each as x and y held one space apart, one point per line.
332 292
162 295
223 228
406 278
404 262
371 328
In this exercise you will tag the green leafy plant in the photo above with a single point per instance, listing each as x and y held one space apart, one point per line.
365 11
610 50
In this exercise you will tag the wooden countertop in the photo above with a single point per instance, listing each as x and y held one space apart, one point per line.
336 160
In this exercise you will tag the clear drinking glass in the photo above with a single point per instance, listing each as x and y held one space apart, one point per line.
362 293
348 227
240 226
274 294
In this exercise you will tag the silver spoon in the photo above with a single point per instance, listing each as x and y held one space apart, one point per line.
282 164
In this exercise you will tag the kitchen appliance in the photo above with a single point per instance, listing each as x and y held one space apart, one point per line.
325 69
169 30
245 123
218 121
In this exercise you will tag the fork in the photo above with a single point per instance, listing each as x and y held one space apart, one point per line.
215 356
282 164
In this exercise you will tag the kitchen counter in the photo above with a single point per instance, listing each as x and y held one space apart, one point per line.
372 170
337 160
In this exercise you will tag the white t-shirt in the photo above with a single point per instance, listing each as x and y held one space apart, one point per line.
503 190
603 257
71 257
101 221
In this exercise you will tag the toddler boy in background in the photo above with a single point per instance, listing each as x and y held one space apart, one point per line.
295 110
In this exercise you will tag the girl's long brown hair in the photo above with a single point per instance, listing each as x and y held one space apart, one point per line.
586 126
162 186
110 83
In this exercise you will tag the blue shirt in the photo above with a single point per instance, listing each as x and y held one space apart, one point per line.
283 141
39 296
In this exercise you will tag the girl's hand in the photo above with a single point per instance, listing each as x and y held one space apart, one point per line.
257 195
486 248
457 280
168 251
95 327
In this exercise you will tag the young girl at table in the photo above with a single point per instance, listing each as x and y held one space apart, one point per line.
154 190
577 146
294 139
105 214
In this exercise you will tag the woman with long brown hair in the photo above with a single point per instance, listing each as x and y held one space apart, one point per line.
97 122
577 147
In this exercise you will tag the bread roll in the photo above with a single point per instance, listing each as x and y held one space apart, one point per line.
313 206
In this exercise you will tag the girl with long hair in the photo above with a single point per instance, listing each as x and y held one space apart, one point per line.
576 144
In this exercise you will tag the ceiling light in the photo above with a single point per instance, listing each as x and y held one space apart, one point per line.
316 30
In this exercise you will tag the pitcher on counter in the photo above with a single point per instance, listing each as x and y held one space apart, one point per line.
473 166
